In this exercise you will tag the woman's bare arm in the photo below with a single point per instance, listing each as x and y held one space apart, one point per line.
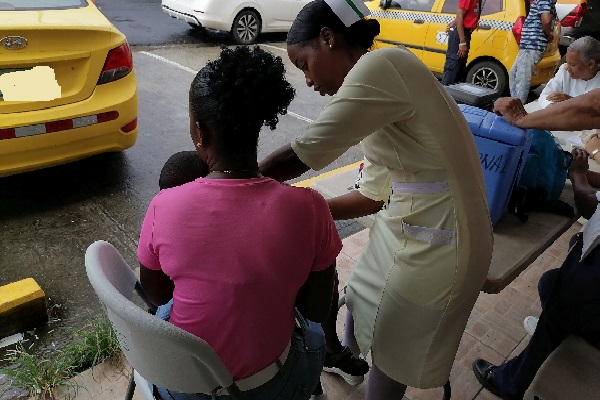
577 113
157 285
352 205
314 298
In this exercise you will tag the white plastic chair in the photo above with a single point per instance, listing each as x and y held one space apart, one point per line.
570 372
158 351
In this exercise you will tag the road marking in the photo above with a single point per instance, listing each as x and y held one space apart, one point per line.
300 117
272 47
309 182
173 63
183 67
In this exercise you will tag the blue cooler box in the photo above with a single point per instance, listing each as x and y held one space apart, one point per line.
502 151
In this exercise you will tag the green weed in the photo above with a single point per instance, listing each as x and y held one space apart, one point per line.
42 373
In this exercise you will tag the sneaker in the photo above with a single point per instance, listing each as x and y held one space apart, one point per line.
352 369
318 393
530 323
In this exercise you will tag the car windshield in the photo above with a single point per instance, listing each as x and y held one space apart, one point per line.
12 5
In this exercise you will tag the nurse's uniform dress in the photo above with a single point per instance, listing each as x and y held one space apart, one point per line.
428 255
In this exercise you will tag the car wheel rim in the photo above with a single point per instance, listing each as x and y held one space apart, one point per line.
486 77
247 28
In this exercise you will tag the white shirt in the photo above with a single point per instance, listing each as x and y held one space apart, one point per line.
563 83
591 230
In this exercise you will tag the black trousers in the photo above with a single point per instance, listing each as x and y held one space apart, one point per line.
570 299
455 67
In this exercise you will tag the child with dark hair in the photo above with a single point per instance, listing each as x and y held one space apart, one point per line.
180 168
247 261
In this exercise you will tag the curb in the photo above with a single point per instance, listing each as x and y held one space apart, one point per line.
22 307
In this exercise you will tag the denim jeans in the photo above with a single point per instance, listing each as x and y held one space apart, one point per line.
521 72
296 379
455 66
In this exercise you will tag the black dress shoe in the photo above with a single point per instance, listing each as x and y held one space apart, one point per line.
484 373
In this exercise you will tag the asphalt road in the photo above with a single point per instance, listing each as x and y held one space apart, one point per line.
145 24
49 217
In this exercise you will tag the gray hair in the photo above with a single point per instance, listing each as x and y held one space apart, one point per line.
588 48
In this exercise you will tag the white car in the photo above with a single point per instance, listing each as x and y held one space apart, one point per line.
244 19
578 18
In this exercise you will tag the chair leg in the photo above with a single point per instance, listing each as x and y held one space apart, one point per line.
130 387
447 391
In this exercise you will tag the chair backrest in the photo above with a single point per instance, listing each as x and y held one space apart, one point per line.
162 353
570 372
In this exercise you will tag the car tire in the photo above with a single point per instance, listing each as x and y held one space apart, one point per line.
246 27
488 74
195 26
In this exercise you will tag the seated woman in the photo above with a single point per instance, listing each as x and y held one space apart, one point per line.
237 252
579 75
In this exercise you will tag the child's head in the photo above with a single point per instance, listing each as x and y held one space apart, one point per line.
180 168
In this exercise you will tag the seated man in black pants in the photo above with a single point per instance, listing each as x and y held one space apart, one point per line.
570 295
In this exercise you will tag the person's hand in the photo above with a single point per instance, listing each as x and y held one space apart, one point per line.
579 165
463 51
557 97
510 108
448 27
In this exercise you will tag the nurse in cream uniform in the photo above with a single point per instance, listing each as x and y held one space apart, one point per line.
429 251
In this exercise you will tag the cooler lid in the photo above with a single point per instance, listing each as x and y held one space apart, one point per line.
491 126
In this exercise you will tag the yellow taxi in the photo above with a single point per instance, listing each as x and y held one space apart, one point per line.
67 86
420 25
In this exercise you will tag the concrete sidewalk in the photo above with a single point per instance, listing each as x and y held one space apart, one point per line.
494 330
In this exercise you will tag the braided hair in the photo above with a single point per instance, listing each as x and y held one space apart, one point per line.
239 93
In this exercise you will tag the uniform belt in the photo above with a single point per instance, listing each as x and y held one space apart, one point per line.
261 377
421 187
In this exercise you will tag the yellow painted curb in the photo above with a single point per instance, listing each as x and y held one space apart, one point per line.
18 293
310 181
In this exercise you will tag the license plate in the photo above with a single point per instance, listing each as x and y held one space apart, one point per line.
7 70
441 38
30 84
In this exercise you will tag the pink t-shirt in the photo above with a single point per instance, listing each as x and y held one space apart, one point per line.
238 251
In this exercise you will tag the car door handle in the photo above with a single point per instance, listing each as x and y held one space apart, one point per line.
484 27
419 21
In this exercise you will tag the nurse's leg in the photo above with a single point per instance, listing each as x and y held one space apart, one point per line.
382 387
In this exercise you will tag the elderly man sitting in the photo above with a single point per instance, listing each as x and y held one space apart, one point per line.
569 295
579 75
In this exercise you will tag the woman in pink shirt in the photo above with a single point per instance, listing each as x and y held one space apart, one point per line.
238 252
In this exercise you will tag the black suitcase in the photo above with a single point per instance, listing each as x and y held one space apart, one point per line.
473 95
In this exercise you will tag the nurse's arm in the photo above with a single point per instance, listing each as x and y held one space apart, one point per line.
352 205
282 165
